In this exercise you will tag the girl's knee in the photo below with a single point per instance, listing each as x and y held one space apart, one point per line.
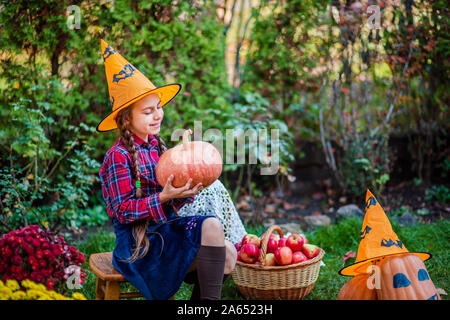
213 225
212 232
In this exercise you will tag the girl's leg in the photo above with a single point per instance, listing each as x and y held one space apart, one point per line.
230 258
210 260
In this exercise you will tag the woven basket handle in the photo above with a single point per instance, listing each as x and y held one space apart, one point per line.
265 241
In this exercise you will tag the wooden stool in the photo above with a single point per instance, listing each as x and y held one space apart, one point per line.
108 278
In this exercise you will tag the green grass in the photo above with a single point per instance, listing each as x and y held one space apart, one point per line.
336 240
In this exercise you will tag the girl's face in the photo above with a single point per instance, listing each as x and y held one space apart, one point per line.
146 116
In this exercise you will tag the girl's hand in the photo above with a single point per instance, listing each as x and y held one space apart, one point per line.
170 192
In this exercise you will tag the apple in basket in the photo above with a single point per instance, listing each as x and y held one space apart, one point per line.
305 241
270 259
282 242
283 256
272 236
295 242
298 257
249 253
310 250
272 246
251 238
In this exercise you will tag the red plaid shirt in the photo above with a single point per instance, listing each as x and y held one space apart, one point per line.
119 188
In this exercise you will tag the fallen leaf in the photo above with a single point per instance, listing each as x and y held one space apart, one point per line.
316 213
348 255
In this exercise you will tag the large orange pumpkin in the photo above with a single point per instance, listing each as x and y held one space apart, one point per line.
198 160
405 278
357 289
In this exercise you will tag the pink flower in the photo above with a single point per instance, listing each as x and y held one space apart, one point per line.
28 249
39 254
17 259
36 243
37 277
18 276
32 260
49 284
42 263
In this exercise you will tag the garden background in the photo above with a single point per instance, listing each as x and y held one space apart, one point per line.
358 89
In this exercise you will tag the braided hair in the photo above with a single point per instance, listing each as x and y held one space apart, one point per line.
139 228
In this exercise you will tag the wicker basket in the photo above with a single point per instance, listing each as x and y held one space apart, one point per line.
291 282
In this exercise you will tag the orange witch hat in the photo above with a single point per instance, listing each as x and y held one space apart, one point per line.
378 240
126 85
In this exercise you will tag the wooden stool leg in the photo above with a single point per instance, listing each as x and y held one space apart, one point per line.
112 290
99 289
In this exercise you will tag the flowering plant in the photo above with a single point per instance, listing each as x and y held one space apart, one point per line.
29 290
41 256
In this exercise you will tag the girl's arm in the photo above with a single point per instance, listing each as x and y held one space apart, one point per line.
122 191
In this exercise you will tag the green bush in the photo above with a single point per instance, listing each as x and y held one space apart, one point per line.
48 172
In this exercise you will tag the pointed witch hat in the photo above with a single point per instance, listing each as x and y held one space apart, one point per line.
127 85
378 240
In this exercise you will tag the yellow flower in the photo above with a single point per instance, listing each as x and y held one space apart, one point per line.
34 294
44 297
12 284
54 295
78 296
25 283
3 296
1 284
5 291
19 295
41 287
29 284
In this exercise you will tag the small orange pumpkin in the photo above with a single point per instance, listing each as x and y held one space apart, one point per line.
405 278
198 160
356 289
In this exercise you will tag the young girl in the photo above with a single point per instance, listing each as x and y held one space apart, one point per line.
155 248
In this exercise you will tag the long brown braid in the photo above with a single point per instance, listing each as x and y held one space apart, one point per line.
139 228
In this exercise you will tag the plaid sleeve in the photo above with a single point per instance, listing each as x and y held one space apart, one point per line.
122 192
180 202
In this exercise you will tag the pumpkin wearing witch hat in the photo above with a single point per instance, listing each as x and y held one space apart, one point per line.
402 274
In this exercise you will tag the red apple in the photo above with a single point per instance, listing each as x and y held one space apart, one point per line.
238 246
283 256
298 257
270 259
282 242
305 241
295 242
272 246
249 253
251 238
239 256
272 236
310 250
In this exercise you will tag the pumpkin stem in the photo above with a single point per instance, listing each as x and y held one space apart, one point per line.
186 135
